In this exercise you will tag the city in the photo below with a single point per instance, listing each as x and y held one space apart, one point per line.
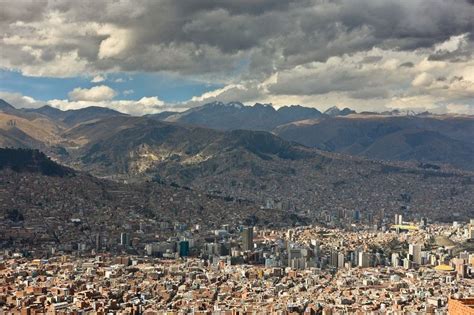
236 157
391 267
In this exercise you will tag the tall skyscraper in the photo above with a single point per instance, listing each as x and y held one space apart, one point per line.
415 251
395 260
183 248
247 238
340 260
364 259
398 219
124 239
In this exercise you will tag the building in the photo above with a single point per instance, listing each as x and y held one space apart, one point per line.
414 250
395 260
124 239
364 259
398 219
247 238
183 248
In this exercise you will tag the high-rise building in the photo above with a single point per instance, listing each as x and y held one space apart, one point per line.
333 258
415 251
247 238
460 267
356 215
124 239
364 259
398 219
340 260
407 263
183 248
395 260
295 256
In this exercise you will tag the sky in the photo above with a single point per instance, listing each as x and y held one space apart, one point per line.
143 57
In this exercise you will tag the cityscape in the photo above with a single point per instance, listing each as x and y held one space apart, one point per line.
236 157
388 266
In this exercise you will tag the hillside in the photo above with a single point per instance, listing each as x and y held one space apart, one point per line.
436 139
31 161
136 145
42 202
43 128
388 136
76 116
28 132
259 166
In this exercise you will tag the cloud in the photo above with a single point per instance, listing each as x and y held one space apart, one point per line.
365 52
423 79
127 36
117 41
20 101
360 82
460 109
143 106
229 93
98 79
94 94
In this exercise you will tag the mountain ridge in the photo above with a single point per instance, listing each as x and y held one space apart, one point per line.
235 115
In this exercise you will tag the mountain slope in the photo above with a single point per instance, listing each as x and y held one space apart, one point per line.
439 139
5 107
32 161
257 166
76 116
46 204
22 128
137 144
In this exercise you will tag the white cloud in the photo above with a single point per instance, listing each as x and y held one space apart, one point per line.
128 92
423 79
452 44
143 106
118 41
98 79
94 94
460 109
20 101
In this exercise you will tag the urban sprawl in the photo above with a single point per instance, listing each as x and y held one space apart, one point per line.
355 264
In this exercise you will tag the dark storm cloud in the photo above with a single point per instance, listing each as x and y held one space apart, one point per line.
211 36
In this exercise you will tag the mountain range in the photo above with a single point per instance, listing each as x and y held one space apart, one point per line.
249 164
434 139
235 115
441 139
427 138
